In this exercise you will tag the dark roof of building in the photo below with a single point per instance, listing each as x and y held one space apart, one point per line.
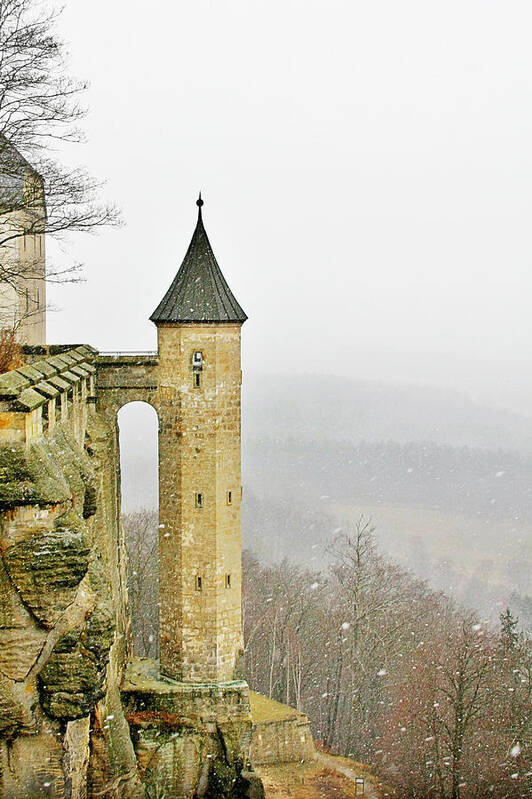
13 170
199 292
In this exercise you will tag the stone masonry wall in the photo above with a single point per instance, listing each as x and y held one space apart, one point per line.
200 539
284 741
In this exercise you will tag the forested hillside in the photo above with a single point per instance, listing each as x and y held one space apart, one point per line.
447 481
392 673
319 407
389 671
473 481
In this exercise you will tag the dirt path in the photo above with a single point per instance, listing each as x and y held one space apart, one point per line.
334 765
284 781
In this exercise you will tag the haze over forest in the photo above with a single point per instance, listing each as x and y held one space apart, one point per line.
367 197
365 178
446 481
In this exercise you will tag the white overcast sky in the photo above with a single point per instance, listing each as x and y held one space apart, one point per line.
366 169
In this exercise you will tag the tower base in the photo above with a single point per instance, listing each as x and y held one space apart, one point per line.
190 739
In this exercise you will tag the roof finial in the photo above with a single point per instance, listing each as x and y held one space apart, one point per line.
199 203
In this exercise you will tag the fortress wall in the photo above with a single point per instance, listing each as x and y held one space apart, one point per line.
285 741
281 734
63 621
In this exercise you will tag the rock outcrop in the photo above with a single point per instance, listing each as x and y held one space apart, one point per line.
63 616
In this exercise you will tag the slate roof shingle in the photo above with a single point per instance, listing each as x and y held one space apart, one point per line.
199 291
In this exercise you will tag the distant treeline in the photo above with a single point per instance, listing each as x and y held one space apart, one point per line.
327 407
462 479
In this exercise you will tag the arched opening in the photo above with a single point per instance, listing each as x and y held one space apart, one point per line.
138 426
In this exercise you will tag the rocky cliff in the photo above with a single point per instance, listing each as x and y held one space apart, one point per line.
63 629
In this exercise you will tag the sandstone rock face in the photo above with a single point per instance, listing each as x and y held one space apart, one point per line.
62 619
191 740
46 569
14 717
72 680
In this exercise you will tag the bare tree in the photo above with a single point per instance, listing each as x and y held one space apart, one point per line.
39 107
458 719
141 530
393 673
279 607
10 351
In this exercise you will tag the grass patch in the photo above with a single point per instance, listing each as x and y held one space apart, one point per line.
264 709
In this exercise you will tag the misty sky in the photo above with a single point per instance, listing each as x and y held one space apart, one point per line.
366 169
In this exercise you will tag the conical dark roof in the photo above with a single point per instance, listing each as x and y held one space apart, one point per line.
199 292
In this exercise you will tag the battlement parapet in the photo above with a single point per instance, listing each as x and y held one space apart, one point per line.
128 357
46 390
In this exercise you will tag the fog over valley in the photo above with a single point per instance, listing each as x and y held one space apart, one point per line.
366 195
446 481
266 436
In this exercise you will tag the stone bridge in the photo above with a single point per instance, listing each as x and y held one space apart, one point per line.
62 385
124 377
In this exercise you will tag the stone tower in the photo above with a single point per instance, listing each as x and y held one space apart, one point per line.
22 231
198 326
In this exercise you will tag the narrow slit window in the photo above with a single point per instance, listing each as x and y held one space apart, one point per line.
229 497
228 581
199 500
197 380
199 583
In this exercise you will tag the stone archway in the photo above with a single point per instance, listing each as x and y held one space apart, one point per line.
138 425
138 443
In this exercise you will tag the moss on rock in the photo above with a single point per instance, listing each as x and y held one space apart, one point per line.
47 567
14 718
77 469
90 504
72 680
30 477
98 635
47 473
